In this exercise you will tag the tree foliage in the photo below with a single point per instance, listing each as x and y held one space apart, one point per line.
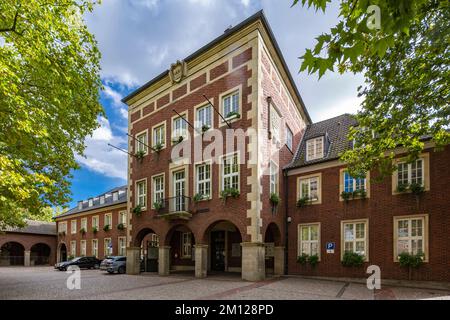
49 90
405 61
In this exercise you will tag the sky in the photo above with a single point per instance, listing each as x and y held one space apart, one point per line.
139 39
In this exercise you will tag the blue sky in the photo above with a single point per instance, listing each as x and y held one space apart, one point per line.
141 38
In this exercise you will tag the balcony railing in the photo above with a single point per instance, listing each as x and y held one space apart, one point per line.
174 208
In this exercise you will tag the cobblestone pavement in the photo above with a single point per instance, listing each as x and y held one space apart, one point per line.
47 283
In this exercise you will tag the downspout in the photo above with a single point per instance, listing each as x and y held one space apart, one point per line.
286 223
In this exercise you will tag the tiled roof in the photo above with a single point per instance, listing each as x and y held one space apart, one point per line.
122 198
35 227
334 131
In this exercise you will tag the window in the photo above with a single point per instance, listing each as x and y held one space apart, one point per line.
159 137
179 128
231 104
314 149
275 124
73 226
83 248
289 138
355 237
179 185
230 173
91 202
309 188
62 227
95 222
273 177
409 173
203 186
80 205
410 235
141 143
108 219
123 217
309 239
122 246
141 198
115 196
353 184
158 189
73 248
94 247
84 224
186 245
108 247
102 199
204 116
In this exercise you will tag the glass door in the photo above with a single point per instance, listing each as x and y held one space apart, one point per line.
179 189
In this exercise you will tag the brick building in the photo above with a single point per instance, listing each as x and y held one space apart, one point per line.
33 245
378 220
96 227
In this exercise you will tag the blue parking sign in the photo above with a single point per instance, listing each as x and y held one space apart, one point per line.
330 247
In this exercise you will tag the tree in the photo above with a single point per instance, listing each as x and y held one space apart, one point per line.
402 48
49 93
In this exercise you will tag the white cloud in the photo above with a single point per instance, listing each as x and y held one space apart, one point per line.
101 158
115 96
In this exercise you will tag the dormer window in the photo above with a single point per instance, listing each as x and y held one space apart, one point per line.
91 202
115 196
80 205
102 199
314 149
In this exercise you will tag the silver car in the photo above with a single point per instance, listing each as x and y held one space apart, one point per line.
114 264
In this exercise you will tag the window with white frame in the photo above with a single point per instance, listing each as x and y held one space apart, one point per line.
108 249
410 173
230 104
94 250
141 197
108 219
90 202
141 142
275 121
410 235
289 138
84 224
203 175
115 196
73 248
95 222
102 199
186 245
353 184
83 248
73 226
204 117
355 237
122 246
158 189
309 242
179 127
159 137
309 188
123 218
314 149
273 177
62 227
230 172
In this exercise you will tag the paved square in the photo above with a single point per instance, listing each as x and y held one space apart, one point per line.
47 283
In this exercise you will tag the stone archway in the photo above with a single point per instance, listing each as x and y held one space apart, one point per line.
274 252
12 254
62 252
40 254
142 256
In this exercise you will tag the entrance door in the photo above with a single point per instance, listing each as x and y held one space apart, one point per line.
218 251
179 188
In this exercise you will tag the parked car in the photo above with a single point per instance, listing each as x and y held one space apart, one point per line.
81 262
114 264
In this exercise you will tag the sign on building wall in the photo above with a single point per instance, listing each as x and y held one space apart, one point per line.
331 246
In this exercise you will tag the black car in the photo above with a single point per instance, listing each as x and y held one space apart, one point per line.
81 262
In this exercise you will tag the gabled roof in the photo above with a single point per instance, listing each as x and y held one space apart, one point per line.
122 192
334 131
257 16
35 227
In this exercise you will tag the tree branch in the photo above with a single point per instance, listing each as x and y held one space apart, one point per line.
13 28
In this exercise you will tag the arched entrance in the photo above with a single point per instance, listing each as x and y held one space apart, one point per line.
274 252
224 252
40 254
148 242
12 254
62 252
181 244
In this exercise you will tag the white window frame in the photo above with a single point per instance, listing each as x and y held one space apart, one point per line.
355 239
84 224
206 182
308 181
73 226
141 142
83 248
232 107
90 202
108 218
123 218
141 198
410 238
159 135
409 169
121 246
232 173
354 184
289 138
202 117
309 241
274 177
312 144
186 245
115 196
62 226
95 222
94 248
183 129
73 248
158 194
107 251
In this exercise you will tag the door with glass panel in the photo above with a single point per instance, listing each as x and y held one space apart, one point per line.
179 190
